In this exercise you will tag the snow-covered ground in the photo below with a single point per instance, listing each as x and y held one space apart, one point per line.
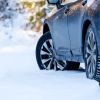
21 79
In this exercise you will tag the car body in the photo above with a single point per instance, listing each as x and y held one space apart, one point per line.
68 28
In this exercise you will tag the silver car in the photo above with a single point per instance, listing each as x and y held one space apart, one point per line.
71 36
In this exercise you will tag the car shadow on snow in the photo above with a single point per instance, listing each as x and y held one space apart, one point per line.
81 69
78 70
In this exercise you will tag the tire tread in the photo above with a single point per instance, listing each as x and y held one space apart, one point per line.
97 75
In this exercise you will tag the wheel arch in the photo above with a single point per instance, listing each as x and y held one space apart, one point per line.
84 30
46 28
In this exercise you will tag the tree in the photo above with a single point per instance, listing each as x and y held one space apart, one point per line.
35 12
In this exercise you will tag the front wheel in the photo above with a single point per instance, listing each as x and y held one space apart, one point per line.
45 54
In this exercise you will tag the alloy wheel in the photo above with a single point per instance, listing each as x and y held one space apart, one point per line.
48 58
91 54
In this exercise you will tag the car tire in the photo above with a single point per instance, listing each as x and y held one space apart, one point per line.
91 57
45 54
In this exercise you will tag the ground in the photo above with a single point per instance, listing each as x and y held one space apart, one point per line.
21 79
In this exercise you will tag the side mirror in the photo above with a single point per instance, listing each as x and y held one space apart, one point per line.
84 2
54 2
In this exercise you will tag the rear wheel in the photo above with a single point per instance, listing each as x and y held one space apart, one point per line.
91 54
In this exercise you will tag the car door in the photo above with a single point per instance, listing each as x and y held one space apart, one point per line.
75 14
60 33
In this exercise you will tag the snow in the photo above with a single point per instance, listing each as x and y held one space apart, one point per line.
21 79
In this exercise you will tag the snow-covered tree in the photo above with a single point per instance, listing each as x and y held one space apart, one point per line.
35 13
3 9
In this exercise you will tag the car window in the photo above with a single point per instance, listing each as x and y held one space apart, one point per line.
90 2
67 1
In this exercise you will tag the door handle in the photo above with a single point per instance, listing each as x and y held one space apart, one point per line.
84 2
58 17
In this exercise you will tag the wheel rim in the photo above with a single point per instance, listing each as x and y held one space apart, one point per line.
91 54
48 58
59 64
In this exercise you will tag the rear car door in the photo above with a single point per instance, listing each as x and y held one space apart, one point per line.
75 15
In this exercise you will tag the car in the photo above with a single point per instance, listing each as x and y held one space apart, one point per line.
71 36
